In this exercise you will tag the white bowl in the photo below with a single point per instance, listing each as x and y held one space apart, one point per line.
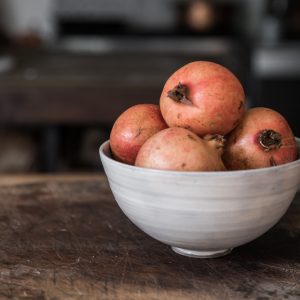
202 214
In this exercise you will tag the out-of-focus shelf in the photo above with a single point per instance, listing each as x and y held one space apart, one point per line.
175 45
60 86
112 61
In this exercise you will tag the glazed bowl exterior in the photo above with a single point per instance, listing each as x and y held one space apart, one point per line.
202 213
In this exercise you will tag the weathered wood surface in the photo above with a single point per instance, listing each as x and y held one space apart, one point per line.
65 238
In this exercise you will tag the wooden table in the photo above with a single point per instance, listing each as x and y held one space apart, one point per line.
64 237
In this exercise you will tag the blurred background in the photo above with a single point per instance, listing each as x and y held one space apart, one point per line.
68 68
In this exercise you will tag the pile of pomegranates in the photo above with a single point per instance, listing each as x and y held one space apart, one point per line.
201 124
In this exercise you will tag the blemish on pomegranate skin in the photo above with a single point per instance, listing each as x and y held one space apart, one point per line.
139 132
183 165
187 127
157 148
272 162
234 139
212 123
245 163
179 116
191 137
240 105
235 123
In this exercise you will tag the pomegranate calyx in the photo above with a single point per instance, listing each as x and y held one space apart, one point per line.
217 141
270 139
179 94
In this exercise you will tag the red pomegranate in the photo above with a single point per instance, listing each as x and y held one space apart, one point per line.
132 128
181 150
263 138
203 97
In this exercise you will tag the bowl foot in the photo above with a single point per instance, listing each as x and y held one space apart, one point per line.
201 254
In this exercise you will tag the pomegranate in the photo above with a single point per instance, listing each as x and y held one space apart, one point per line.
262 139
203 97
132 128
180 149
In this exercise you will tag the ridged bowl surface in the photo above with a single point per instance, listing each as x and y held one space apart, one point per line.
205 212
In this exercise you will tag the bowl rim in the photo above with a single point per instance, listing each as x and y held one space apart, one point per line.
236 173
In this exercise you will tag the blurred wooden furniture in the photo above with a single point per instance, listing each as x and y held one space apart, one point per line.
64 237
74 87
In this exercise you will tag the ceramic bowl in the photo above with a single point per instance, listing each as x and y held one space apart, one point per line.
202 214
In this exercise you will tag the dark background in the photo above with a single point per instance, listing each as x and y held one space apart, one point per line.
68 68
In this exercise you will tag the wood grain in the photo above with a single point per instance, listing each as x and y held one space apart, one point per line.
64 237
